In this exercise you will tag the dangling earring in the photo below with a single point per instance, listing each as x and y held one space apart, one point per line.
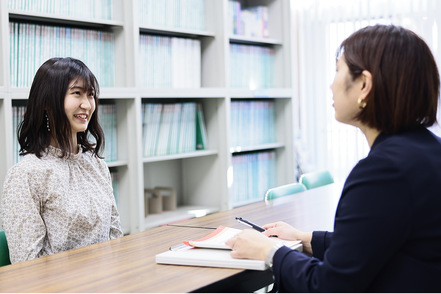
47 123
361 103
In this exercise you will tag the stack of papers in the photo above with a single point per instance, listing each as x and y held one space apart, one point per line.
211 251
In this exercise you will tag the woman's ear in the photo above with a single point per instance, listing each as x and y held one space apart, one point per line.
366 77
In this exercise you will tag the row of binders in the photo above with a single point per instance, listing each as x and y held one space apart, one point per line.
100 9
253 175
252 123
170 62
32 44
107 119
185 14
18 112
248 21
251 66
171 128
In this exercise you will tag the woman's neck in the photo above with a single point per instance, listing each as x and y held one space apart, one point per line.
371 134
74 145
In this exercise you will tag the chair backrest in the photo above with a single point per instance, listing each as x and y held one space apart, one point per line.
284 190
4 251
316 179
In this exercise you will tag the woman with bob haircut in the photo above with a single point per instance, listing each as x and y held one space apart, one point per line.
59 196
387 229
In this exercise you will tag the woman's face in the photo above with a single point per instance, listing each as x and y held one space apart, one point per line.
79 105
345 94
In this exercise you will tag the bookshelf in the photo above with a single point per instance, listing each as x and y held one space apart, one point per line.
202 179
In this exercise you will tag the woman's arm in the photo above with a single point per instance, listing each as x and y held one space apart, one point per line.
115 223
285 231
20 211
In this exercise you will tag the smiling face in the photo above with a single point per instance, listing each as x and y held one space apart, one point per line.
79 105
346 93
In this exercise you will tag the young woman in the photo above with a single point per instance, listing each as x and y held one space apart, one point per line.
59 196
387 230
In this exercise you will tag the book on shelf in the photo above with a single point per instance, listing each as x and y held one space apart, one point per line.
201 131
188 128
151 121
251 66
173 146
170 62
18 112
32 44
107 119
172 128
211 251
183 14
165 129
252 123
253 174
248 21
100 9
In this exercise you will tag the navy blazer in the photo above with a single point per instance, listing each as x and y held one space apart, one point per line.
387 230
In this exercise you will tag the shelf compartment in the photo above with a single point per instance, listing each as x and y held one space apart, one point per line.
253 174
195 180
32 44
181 213
173 14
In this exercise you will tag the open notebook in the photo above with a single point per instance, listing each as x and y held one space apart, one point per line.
211 251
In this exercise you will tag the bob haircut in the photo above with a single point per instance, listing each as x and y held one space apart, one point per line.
46 98
405 78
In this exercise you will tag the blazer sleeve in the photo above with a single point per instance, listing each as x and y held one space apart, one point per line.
371 224
320 242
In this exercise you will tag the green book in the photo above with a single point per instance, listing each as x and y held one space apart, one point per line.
201 131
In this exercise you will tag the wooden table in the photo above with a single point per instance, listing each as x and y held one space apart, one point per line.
127 264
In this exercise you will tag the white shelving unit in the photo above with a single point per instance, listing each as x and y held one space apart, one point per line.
202 178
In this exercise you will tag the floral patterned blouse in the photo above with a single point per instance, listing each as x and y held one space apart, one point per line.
52 204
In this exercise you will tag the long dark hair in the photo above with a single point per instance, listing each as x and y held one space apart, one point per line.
406 80
46 103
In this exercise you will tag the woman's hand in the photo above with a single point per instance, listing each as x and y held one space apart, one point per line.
250 244
284 231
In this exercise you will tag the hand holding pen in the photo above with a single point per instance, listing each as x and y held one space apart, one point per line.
250 244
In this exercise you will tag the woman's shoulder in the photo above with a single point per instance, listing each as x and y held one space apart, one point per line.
93 158
409 141
28 166
29 162
95 162
403 152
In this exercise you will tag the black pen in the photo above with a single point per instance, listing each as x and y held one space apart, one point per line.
254 226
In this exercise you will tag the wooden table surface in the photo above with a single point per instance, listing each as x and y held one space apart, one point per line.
127 264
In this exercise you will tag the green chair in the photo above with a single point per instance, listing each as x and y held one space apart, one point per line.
284 190
4 251
316 179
